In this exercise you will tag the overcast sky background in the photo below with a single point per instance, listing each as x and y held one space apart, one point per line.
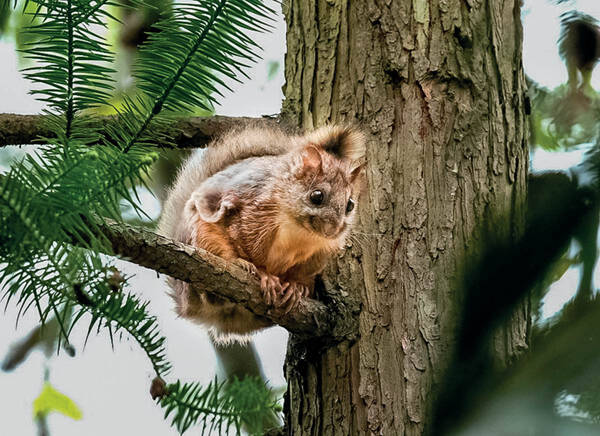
110 387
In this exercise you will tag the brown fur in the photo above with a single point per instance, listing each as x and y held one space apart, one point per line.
247 198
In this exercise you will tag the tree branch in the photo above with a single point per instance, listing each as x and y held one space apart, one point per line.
192 132
209 273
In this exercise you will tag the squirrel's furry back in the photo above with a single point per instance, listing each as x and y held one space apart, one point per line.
235 145
242 143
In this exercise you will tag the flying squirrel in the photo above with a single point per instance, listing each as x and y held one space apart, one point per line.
280 205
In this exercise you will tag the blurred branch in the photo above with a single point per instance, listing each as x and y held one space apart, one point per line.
494 285
43 337
209 273
192 132
41 422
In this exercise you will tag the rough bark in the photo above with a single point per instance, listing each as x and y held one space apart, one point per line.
439 89
192 132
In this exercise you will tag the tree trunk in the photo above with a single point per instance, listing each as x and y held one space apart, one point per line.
439 89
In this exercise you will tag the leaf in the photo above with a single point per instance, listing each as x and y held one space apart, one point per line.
272 70
51 400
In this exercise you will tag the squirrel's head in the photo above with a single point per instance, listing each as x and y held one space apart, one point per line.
326 182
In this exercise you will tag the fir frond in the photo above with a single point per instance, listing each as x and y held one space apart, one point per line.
46 207
76 280
71 59
5 11
219 405
183 64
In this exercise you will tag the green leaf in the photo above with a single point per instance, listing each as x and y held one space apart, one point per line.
51 400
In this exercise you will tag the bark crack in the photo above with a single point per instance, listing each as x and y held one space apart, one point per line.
314 81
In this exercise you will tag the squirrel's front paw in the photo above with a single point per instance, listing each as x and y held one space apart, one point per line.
281 295
271 286
292 296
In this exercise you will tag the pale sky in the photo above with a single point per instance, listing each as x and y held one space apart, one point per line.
112 387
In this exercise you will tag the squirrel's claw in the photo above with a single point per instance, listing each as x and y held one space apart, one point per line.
271 287
281 295
249 267
295 292
269 284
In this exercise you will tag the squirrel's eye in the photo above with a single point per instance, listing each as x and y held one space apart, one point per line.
316 197
349 206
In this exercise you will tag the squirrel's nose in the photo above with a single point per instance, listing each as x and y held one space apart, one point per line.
331 228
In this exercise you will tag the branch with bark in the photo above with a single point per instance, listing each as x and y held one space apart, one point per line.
209 273
192 132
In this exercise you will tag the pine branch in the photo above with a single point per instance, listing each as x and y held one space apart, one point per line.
192 132
182 66
212 274
235 403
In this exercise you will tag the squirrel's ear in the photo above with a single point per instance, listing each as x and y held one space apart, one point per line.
311 159
211 203
343 141
357 172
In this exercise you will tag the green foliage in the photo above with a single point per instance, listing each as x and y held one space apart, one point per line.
562 118
71 60
237 403
5 11
180 67
61 195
